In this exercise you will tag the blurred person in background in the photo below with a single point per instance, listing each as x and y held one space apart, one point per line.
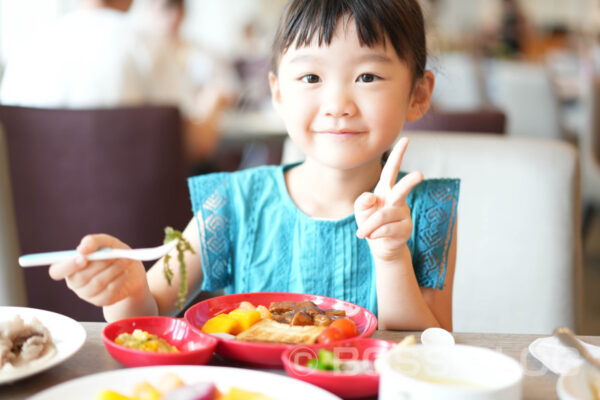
506 30
211 83
93 57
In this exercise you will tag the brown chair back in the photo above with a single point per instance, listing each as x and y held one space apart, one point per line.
485 120
74 172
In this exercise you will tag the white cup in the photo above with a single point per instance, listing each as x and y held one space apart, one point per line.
448 373
578 383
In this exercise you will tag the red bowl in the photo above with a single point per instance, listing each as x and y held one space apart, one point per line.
269 355
343 384
194 347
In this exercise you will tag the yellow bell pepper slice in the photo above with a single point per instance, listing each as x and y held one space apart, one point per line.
111 395
222 323
241 394
145 391
246 318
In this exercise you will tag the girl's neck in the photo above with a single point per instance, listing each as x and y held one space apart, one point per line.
324 192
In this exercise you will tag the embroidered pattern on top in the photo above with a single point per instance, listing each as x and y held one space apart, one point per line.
214 226
431 254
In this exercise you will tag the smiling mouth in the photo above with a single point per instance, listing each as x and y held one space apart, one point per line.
340 133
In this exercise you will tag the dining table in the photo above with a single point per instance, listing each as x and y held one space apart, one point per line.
538 381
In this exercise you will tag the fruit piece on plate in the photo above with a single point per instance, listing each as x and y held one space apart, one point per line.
246 318
198 391
222 323
330 334
346 326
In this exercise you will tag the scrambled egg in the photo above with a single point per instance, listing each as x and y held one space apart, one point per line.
142 340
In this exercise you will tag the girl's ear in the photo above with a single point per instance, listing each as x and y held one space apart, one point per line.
420 98
275 92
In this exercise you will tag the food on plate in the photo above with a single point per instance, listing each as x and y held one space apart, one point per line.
268 330
595 385
233 322
346 326
303 313
283 322
23 344
182 246
142 340
327 361
171 387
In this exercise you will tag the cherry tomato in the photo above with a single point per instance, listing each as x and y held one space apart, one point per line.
346 326
330 334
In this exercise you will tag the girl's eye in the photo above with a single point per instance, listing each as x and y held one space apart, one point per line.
367 78
311 78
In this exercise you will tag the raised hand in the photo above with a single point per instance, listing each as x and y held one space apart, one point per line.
101 283
383 217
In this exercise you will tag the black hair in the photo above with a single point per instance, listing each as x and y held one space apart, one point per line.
399 21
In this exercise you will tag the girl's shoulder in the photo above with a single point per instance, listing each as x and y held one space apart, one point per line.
243 177
438 185
434 187
246 186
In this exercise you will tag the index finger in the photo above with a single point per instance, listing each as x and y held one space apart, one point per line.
61 270
88 244
391 168
91 243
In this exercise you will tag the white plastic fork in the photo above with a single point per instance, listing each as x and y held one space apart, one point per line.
146 254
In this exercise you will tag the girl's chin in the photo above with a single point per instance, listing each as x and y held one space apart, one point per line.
346 160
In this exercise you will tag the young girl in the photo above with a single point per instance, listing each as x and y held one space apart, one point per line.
345 78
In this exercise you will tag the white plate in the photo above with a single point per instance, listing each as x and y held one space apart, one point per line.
279 387
557 357
67 334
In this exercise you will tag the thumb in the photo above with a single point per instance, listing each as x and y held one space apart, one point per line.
364 206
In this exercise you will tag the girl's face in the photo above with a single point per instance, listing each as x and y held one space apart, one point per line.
345 104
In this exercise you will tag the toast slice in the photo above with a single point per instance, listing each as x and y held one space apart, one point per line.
269 331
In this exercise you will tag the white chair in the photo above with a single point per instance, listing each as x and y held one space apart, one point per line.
518 267
525 93
12 287
459 82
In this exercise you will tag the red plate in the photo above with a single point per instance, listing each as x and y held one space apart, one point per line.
269 355
194 347
344 384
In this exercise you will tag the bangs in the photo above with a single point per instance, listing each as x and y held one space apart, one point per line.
400 22
320 19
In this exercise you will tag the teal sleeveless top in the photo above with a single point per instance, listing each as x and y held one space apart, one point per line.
253 238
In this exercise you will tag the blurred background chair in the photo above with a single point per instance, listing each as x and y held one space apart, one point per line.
12 286
518 266
481 120
459 81
524 91
589 147
74 172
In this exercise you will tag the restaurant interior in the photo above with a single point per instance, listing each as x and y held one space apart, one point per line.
515 115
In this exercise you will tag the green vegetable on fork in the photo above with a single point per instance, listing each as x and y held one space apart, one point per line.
182 246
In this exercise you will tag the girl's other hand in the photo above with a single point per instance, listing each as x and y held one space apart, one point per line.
102 282
383 217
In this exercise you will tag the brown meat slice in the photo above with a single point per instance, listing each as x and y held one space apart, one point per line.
321 320
279 307
301 319
337 313
283 318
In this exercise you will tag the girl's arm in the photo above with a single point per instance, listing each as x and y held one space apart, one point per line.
165 295
122 286
383 218
156 297
403 305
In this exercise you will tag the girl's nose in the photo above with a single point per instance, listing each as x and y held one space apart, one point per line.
338 103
